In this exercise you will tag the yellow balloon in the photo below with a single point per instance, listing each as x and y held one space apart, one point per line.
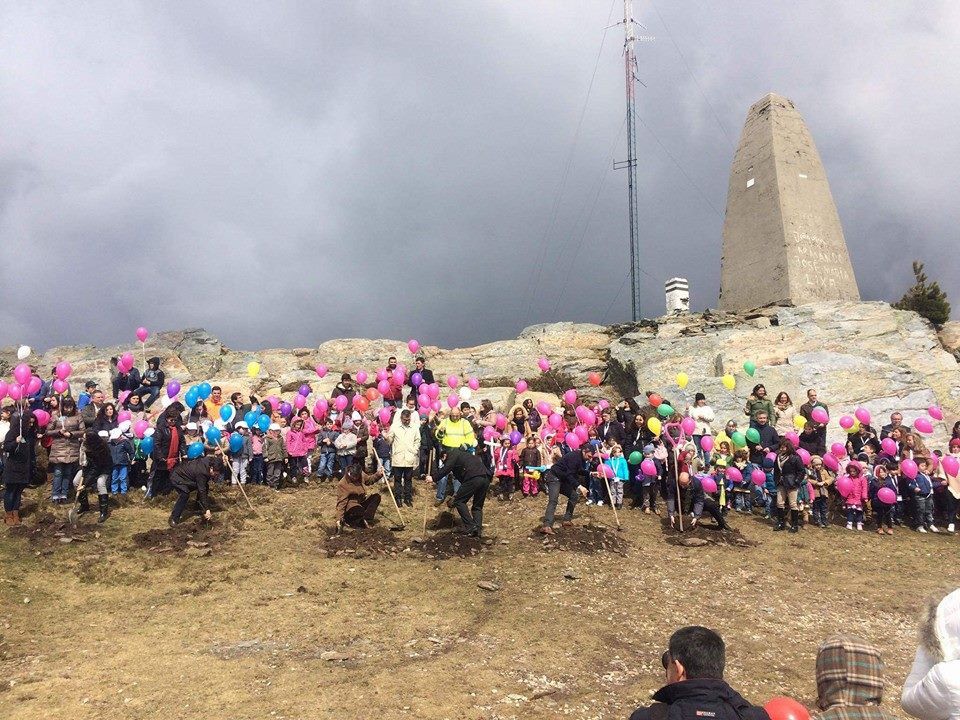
654 425
799 421
682 380
253 369
729 382
855 428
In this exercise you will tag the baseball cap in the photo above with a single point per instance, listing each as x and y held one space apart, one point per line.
90 384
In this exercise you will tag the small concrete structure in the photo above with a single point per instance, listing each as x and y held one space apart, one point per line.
782 239
677 291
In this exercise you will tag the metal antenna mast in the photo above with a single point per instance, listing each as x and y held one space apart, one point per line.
630 66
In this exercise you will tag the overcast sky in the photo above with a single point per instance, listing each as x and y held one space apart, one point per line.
288 172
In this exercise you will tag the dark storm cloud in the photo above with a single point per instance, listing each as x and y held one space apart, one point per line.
282 174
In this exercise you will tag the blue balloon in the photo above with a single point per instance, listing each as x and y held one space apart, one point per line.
191 397
214 435
205 390
227 412
195 450
146 445
263 422
251 418
236 442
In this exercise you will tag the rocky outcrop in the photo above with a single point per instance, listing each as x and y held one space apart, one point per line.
854 353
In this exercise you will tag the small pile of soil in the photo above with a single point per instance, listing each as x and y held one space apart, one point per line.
587 539
449 545
198 533
375 542
704 534
443 521
47 530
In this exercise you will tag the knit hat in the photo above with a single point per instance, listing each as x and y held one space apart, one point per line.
648 449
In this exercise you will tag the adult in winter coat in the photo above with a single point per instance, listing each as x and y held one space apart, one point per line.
932 689
151 382
168 446
788 475
769 439
354 506
569 477
65 430
96 472
611 430
474 479
849 680
20 459
758 402
694 663
194 476
704 417
404 439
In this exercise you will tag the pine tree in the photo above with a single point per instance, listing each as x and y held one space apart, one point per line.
925 298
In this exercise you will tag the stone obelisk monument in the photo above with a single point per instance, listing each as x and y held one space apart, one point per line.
782 240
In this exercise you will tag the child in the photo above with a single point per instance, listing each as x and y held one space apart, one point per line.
649 483
240 460
821 479
138 469
384 452
741 490
257 468
618 463
922 488
346 446
121 452
505 463
882 512
274 453
597 491
849 680
530 457
298 447
856 496
328 453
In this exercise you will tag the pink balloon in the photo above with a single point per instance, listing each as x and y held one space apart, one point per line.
951 466
831 463
886 495
4 388
706 443
863 415
793 438
759 477
708 484
838 450
489 433
604 404
570 397
59 386
140 427
543 364
473 383
423 400
572 440
340 402
34 385
581 432
384 415
299 401
649 468
142 334
844 486
771 456
383 386
14 392
361 376
804 456
688 425
521 386
935 412
734 475
127 358
889 446
607 470
501 421
435 405
934 461
453 400
321 370
555 420
452 381
413 346
382 375
846 422
433 390
820 415
374 430
320 407
543 407
63 370
42 416
909 468
22 373
923 425
398 376
123 416
122 397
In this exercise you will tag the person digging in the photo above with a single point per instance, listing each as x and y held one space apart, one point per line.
474 480
194 475
700 501
569 477
355 507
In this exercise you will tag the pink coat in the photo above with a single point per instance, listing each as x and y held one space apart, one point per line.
504 466
298 443
310 429
860 493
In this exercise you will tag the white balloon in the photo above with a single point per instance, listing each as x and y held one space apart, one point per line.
124 426
149 432
24 352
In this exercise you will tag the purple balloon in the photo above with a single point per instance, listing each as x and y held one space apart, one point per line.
516 437
286 410
173 389
304 390
416 379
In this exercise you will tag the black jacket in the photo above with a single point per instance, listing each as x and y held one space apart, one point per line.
571 470
427 378
20 458
463 465
612 431
768 439
193 475
789 473
699 699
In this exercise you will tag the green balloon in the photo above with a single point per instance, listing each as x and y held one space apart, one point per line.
750 367
753 435
739 440
635 458
664 410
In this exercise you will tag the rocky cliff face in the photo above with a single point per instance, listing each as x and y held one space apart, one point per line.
854 353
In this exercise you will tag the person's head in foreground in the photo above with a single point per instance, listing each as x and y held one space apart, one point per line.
693 665
849 680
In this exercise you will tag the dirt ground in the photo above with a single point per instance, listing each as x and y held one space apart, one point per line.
275 616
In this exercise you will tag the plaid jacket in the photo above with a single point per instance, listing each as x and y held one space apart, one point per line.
849 680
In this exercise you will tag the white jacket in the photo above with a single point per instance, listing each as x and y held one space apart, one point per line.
404 443
932 690
704 416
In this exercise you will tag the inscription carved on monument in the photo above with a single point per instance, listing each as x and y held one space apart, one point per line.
782 239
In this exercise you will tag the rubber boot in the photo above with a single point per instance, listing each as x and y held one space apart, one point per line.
477 530
794 521
781 524
83 503
103 501
14 518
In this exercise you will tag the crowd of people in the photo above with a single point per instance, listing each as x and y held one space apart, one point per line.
144 433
